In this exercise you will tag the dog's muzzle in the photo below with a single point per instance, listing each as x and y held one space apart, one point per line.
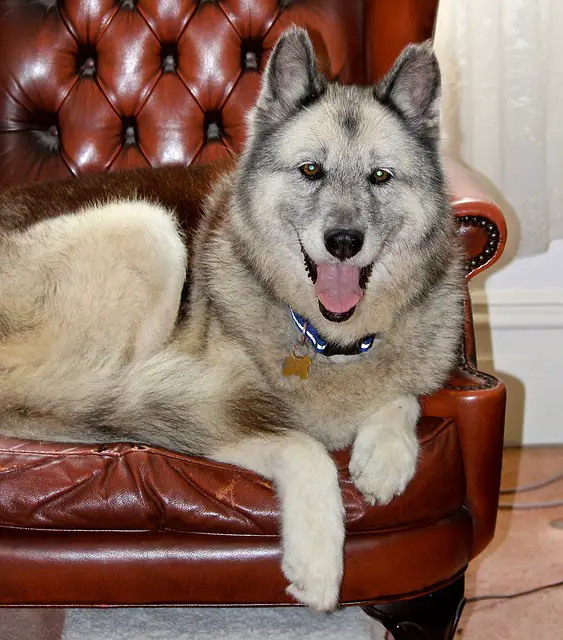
336 286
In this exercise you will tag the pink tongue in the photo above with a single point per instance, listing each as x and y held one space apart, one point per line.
338 286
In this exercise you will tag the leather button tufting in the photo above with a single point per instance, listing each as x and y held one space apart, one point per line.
130 135
251 51
168 64
250 60
86 59
129 132
162 64
213 126
48 139
88 67
168 57
212 132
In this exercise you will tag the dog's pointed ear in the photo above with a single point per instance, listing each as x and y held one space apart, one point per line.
291 78
412 87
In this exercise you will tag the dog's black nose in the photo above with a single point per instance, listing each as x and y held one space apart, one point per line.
344 243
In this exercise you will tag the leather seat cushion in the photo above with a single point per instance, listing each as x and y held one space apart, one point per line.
139 488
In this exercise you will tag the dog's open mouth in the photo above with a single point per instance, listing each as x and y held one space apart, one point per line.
339 287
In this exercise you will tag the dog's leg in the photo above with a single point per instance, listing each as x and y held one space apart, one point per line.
82 296
105 280
385 451
311 508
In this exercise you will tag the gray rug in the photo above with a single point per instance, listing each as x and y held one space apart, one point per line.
219 624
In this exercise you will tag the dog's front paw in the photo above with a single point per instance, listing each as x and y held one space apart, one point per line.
313 542
311 510
383 463
314 574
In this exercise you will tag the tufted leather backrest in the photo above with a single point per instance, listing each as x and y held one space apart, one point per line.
95 85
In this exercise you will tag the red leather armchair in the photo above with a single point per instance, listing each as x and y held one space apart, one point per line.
99 85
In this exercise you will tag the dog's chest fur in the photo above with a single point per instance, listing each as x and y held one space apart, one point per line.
234 319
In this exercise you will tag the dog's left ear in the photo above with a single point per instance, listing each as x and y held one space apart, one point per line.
291 78
412 87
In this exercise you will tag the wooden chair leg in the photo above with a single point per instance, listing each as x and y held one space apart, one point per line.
431 617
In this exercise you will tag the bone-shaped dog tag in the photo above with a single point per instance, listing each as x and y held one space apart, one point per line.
296 366
298 363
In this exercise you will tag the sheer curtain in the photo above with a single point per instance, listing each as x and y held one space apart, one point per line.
502 66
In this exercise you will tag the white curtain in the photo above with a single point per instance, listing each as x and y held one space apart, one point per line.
502 66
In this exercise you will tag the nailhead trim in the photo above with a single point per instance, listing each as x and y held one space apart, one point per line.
492 242
488 381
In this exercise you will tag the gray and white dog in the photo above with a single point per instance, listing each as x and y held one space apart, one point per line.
324 289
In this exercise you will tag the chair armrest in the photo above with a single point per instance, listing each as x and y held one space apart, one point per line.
476 401
482 224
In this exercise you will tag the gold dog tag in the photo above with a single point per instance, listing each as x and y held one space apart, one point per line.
298 363
296 366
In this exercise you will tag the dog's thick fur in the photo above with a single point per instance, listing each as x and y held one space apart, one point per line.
93 347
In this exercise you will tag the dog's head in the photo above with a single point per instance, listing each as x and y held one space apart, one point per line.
339 186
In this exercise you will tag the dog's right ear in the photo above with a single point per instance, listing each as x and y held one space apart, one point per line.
291 78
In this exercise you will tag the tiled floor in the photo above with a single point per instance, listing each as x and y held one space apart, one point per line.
527 552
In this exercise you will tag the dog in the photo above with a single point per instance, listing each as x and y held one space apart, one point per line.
317 298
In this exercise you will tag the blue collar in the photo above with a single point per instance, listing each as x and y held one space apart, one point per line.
327 348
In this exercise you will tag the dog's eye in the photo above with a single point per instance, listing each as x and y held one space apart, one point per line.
311 170
380 176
